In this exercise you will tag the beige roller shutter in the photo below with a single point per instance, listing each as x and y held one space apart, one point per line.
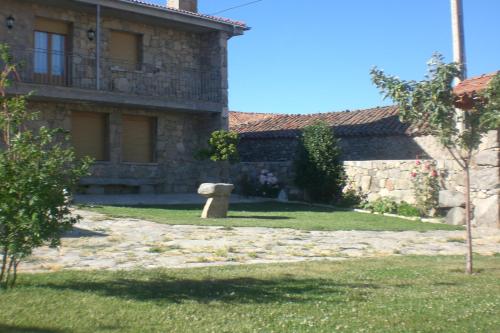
125 48
89 134
53 26
138 139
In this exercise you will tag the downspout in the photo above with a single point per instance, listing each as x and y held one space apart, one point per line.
98 48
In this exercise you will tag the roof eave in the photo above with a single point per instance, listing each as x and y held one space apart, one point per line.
181 17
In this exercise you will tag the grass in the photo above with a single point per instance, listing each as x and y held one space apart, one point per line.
272 214
394 294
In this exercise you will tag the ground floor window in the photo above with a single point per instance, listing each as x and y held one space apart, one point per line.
90 134
138 139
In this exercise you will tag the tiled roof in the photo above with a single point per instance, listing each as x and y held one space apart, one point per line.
185 12
474 84
370 122
237 118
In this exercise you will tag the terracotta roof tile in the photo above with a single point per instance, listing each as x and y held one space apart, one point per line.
376 121
185 12
369 122
237 118
474 84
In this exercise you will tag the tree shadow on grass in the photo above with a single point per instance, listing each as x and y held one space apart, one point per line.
258 217
26 329
236 290
264 207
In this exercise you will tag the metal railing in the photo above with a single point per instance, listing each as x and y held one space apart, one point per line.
169 81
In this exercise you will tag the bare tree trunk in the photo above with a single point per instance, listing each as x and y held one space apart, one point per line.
4 263
468 265
13 283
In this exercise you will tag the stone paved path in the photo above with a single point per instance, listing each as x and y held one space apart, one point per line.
100 242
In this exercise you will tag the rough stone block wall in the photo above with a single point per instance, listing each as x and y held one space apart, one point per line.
179 136
380 167
175 63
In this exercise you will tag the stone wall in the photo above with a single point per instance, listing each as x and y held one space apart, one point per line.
179 136
175 63
380 166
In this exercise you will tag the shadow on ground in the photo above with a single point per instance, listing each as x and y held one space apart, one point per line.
259 217
78 232
264 207
25 329
237 290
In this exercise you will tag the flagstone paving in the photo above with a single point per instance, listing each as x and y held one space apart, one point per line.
100 242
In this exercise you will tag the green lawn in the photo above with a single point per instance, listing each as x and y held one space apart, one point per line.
394 294
273 214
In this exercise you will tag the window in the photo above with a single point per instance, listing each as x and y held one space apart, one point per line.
138 139
49 63
125 49
90 134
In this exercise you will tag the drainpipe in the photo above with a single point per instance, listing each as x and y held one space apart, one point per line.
98 48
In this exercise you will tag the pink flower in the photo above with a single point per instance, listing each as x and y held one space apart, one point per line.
417 162
434 173
413 174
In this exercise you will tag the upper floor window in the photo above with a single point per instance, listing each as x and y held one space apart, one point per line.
50 48
125 49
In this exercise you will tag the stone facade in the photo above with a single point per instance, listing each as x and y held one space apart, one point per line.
182 68
380 166
179 64
179 135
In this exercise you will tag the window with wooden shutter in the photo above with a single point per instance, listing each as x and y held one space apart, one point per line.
50 51
125 49
90 134
138 139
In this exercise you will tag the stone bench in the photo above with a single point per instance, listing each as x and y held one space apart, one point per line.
96 185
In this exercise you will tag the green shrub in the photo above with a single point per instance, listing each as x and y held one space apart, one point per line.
350 199
406 209
319 171
37 171
222 146
382 205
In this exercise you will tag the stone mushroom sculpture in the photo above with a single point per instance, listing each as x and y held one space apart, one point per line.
217 203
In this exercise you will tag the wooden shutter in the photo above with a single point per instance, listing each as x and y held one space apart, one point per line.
89 134
53 26
138 139
125 47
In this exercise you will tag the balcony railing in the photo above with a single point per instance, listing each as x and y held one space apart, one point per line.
168 81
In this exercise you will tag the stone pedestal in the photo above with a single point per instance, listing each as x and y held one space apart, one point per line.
217 204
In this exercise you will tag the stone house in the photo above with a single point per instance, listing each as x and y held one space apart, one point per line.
138 86
378 153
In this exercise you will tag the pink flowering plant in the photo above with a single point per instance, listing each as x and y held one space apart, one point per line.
425 179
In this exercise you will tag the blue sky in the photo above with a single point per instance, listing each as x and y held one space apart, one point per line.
315 55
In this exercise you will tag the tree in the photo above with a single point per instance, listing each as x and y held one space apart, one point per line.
222 147
429 106
318 169
37 172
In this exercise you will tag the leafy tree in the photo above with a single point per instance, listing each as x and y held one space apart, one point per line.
430 106
36 173
318 169
222 147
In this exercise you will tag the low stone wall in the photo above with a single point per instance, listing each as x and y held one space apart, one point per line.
384 177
